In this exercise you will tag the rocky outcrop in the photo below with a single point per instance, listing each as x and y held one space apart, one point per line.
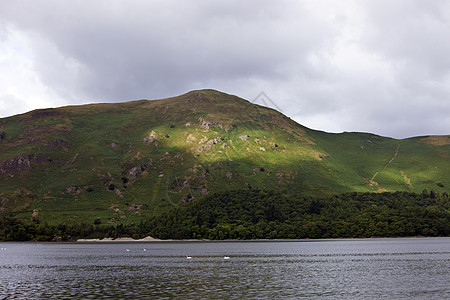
323 156
152 137
72 189
207 124
216 140
208 144
135 208
35 215
135 171
257 170
3 204
19 164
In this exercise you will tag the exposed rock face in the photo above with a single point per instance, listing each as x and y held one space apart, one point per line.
35 215
208 143
72 189
216 140
3 204
19 164
207 124
118 192
152 137
137 170
191 139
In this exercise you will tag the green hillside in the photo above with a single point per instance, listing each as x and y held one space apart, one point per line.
118 163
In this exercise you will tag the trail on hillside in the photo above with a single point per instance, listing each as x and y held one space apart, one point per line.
372 180
392 159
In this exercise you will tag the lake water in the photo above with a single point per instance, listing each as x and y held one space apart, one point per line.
400 268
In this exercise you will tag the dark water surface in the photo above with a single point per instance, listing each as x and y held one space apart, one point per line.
400 268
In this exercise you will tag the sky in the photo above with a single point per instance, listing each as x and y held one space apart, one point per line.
378 66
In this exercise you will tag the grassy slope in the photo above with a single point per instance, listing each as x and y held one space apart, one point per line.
83 157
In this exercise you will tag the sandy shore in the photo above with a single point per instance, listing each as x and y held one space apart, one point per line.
152 239
124 239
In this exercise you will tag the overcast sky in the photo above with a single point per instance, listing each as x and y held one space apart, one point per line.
378 66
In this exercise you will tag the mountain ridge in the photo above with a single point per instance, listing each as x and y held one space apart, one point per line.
125 161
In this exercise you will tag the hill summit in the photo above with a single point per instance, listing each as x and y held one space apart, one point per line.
124 161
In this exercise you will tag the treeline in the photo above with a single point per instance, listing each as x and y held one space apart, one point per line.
13 229
271 215
256 214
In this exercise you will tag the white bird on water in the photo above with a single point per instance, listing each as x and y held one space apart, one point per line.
128 250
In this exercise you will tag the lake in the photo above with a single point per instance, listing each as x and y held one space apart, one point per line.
391 268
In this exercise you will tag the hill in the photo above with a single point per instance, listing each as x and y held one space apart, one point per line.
118 163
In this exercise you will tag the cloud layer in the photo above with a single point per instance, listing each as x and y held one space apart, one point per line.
376 66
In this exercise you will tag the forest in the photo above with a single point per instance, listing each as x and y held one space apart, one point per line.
259 214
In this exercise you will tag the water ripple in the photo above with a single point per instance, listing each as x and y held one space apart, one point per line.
343 269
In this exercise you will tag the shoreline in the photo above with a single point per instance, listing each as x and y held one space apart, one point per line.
152 239
131 240
121 239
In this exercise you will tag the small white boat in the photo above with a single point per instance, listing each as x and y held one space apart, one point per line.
226 257
188 257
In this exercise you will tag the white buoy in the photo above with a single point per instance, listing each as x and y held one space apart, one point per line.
145 250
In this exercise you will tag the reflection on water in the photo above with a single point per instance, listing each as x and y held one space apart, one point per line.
347 269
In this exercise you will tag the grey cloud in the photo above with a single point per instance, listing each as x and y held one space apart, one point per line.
412 33
11 103
138 49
